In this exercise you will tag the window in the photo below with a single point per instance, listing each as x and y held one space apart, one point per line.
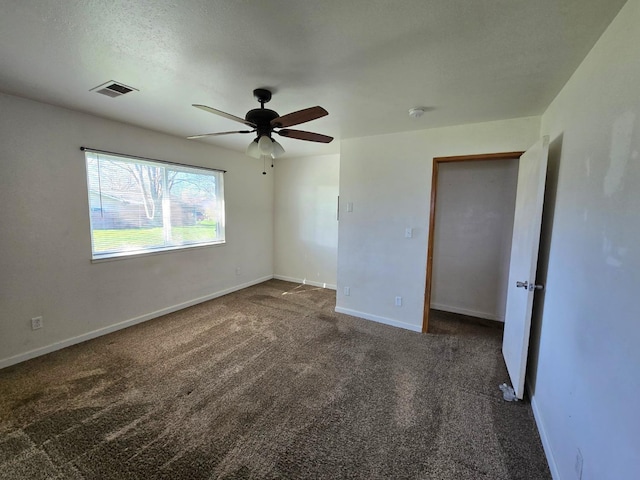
143 206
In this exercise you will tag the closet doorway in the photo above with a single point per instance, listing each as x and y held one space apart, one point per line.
470 225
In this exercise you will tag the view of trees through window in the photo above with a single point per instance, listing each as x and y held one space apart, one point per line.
140 206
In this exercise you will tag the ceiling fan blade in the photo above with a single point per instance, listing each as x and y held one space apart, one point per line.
218 133
302 135
301 116
224 114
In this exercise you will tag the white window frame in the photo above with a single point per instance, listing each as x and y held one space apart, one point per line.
217 199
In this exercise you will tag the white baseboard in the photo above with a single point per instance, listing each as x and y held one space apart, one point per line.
22 357
464 311
376 318
304 281
548 452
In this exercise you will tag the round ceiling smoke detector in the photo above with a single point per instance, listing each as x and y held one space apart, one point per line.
416 112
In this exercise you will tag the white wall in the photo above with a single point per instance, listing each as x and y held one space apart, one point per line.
472 237
306 227
387 179
45 244
586 339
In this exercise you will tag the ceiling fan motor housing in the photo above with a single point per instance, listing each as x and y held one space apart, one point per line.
262 118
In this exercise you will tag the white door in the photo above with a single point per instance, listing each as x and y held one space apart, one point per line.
532 172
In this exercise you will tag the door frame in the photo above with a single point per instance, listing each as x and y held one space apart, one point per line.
432 215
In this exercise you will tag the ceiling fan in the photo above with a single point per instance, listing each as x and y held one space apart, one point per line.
265 123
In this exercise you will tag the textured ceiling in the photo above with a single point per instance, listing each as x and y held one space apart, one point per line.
366 61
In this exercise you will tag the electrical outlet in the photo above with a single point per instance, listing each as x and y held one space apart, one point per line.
398 301
238 271
349 207
36 323
347 291
578 465
408 232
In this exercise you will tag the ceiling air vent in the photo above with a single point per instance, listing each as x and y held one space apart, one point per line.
112 89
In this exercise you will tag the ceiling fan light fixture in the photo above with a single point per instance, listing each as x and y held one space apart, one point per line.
265 145
278 150
253 150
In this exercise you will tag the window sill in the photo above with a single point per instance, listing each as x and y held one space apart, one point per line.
145 253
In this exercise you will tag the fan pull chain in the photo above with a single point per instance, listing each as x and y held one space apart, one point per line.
264 165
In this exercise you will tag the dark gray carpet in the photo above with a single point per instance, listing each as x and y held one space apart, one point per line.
269 383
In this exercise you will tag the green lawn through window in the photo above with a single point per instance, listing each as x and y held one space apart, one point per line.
137 238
